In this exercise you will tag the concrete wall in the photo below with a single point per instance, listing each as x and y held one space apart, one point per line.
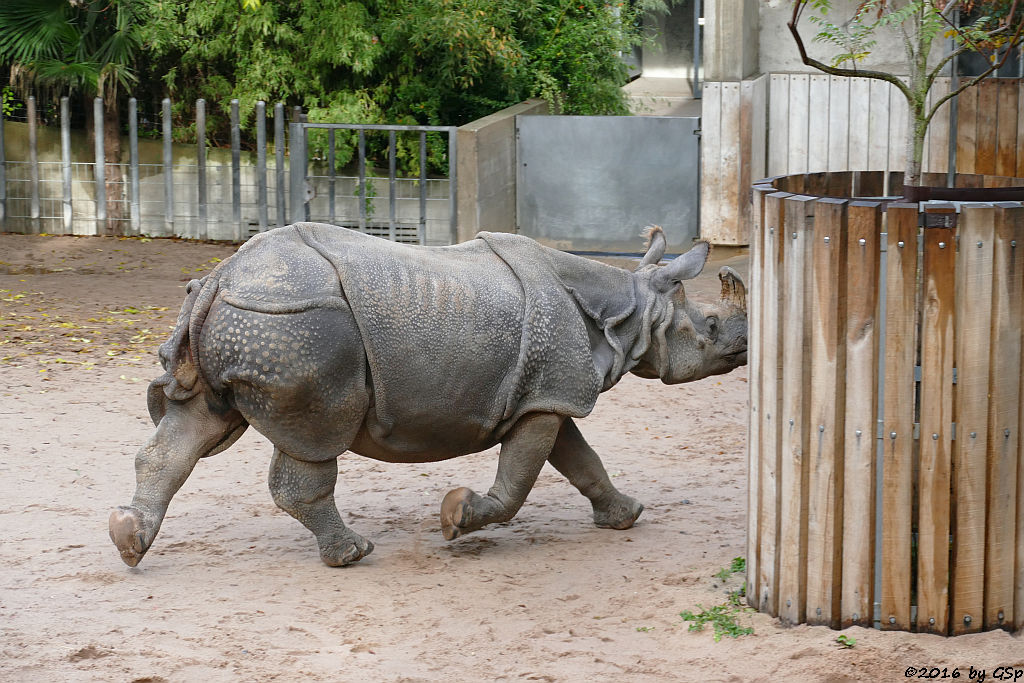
778 51
487 171
730 39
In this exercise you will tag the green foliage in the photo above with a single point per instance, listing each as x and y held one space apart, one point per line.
846 641
88 46
723 618
427 62
7 101
737 566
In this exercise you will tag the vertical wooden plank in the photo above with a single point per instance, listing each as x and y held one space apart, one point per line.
838 123
898 420
1003 415
937 141
878 125
972 330
759 127
731 165
827 408
937 310
818 124
860 108
988 119
862 253
869 183
1020 166
772 286
840 184
898 130
966 130
711 156
799 122
1007 122
754 335
778 125
794 410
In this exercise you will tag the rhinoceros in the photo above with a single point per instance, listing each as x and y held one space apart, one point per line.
327 340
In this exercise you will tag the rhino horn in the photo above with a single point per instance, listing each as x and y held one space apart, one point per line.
733 289
656 244
685 267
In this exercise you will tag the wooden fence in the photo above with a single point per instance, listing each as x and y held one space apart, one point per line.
886 469
784 124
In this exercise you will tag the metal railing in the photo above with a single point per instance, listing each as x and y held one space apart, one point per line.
402 226
61 185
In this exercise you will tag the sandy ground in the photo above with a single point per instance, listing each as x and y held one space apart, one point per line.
233 588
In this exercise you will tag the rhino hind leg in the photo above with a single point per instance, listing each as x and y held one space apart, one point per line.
523 452
577 461
305 490
188 430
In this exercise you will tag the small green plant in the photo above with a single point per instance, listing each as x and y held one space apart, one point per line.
7 101
645 629
721 617
737 566
846 641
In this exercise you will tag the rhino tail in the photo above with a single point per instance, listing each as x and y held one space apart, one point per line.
179 355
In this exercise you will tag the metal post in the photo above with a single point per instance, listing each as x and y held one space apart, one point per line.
100 168
453 185
33 168
392 173
330 173
65 162
279 156
168 169
362 180
297 174
423 188
133 161
236 171
261 163
201 165
697 31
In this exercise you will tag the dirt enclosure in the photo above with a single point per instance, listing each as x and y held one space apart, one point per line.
233 588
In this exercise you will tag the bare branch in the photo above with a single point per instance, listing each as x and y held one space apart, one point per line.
838 71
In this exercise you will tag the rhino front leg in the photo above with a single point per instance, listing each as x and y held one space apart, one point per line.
305 490
577 461
188 431
523 452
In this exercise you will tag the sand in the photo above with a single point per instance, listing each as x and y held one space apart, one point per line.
233 588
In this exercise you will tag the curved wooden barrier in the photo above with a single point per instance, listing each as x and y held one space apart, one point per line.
886 463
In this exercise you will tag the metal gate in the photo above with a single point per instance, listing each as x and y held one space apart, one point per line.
592 183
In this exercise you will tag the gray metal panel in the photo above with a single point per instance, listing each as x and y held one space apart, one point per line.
592 183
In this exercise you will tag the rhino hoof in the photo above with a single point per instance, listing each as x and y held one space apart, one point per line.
349 548
127 531
456 512
621 513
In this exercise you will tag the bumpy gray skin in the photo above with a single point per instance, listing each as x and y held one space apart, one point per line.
327 340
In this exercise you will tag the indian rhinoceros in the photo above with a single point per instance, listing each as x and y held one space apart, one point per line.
328 340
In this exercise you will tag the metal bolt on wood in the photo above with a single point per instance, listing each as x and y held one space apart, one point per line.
900 244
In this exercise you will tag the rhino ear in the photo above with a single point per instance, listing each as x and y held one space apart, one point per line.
685 267
656 244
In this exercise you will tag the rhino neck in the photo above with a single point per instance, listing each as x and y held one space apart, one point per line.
623 315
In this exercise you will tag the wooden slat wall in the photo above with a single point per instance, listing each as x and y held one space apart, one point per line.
732 156
826 423
1003 416
796 377
972 331
898 422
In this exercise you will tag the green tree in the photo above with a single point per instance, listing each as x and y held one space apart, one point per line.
87 48
431 62
996 28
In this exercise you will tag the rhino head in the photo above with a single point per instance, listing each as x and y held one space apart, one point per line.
690 340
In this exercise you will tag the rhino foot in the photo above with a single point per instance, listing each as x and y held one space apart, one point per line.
457 514
344 548
128 532
617 512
